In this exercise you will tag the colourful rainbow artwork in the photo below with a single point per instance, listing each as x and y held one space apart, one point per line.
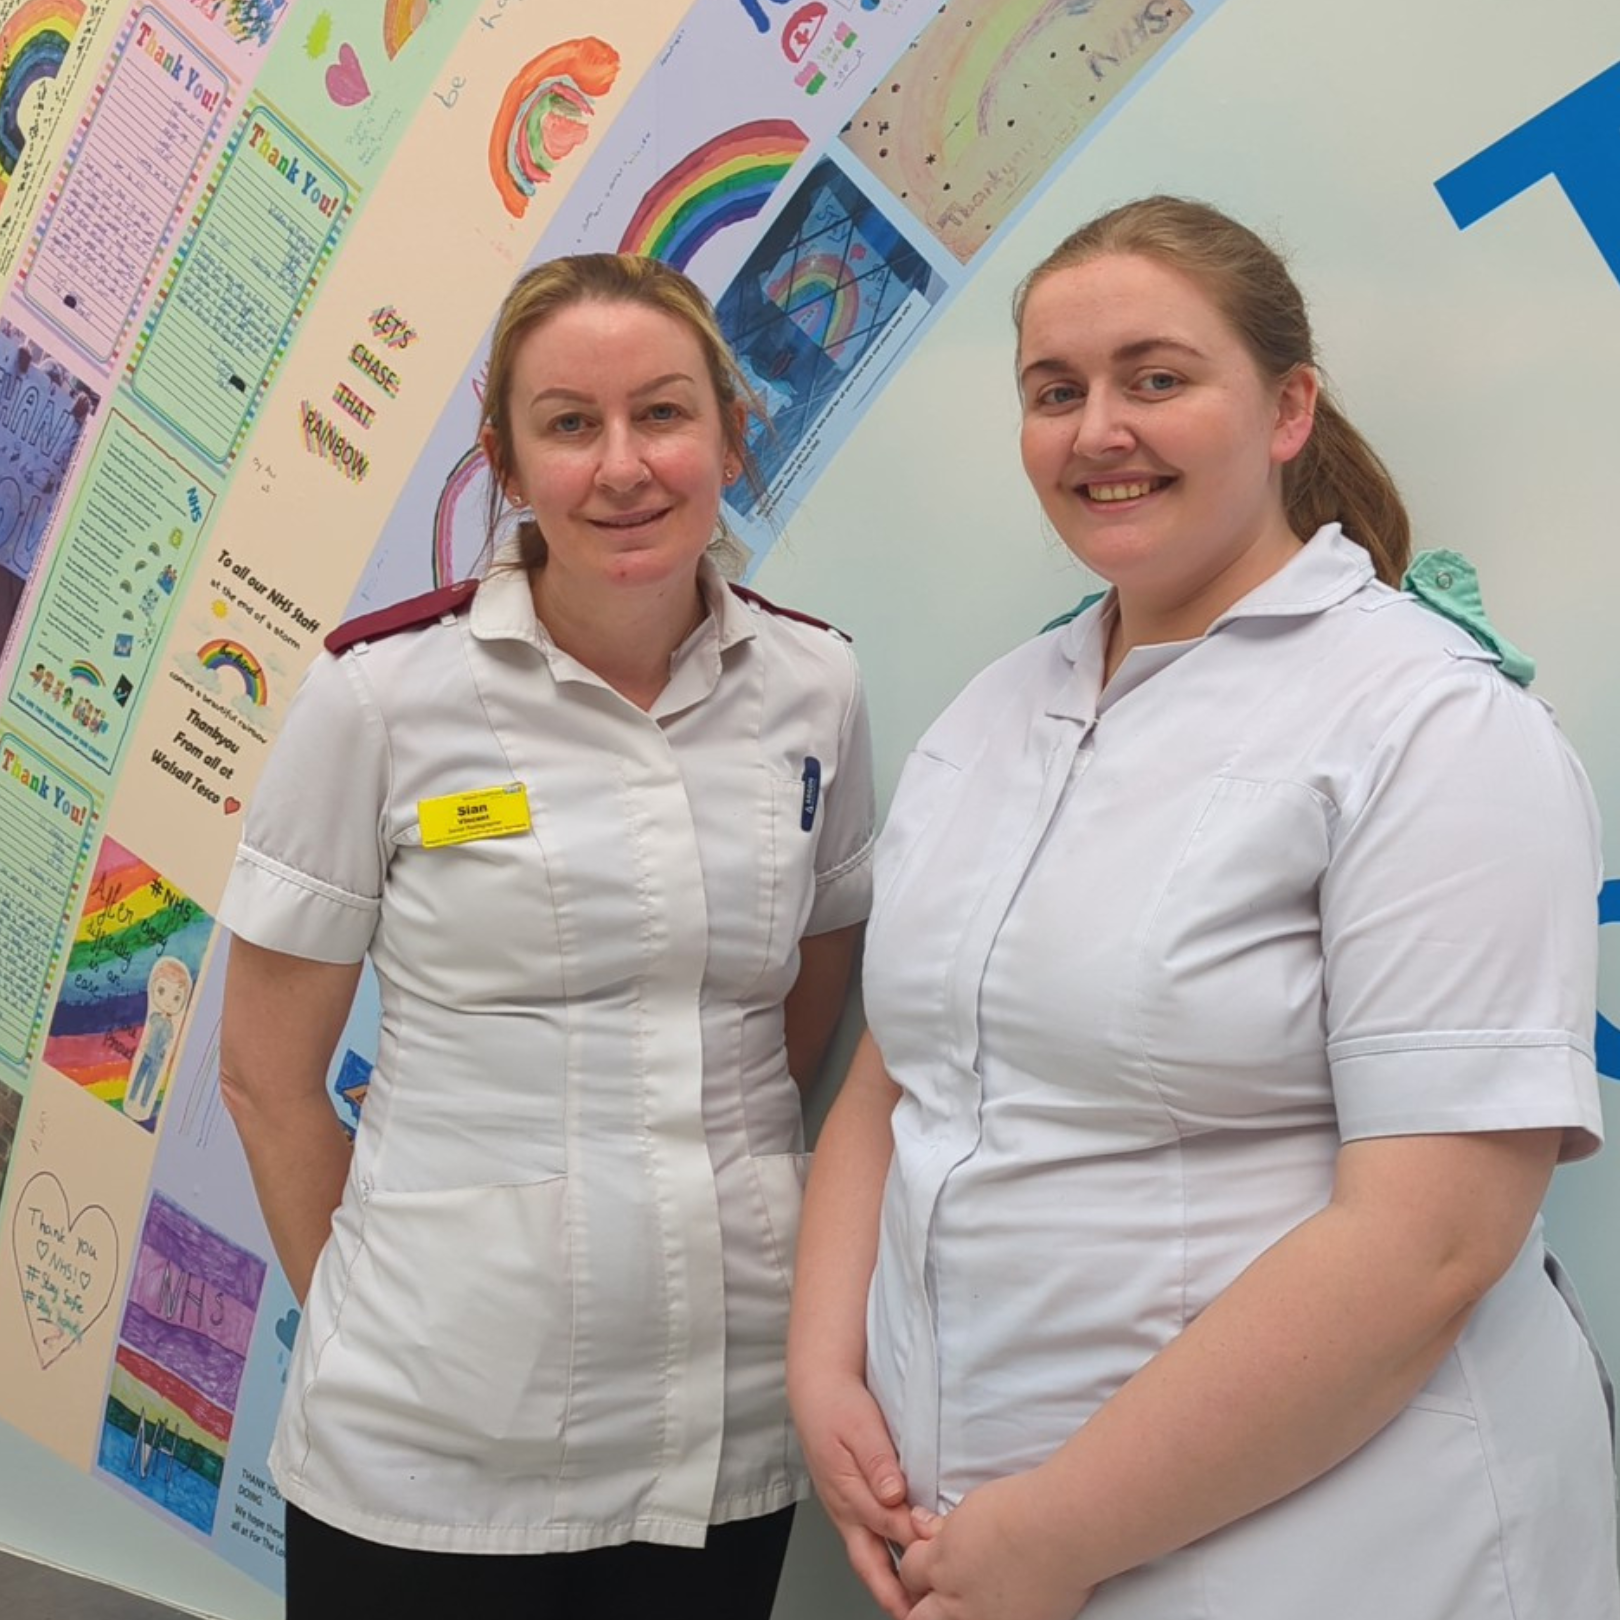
84 670
401 19
177 1374
223 654
819 296
132 917
544 115
726 180
34 42
462 476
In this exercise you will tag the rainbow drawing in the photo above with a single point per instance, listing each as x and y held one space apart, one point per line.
726 180
462 476
177 1373
224 654
401 19
34 42
545 114
820 296
84 670
132 917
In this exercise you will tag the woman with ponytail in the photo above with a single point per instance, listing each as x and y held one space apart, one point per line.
1172 1251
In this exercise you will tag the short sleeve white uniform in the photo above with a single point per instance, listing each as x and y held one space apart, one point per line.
1140 959
552 1311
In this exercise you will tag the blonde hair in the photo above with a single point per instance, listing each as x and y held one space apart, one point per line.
1338 476
609 278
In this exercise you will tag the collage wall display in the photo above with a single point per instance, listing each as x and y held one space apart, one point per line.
236 404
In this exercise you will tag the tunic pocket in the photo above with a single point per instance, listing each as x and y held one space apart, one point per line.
454 1336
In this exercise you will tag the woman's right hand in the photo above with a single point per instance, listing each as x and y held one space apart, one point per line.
846 1442
857 1476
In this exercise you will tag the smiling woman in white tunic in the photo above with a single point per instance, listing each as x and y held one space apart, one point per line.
1231 985
603 825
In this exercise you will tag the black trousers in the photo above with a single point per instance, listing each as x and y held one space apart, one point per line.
332 1575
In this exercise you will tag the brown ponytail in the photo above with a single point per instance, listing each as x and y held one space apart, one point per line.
1337 477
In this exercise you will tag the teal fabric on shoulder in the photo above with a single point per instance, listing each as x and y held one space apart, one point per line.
1446 582
1074 612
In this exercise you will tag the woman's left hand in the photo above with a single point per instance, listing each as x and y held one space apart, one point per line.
998 1556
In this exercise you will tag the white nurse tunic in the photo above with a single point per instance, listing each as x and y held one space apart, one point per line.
1141 957
552 1310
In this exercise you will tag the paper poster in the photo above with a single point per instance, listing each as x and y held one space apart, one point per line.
48 50
45 411
970 120
177 1372
831 291
47 817
129 979
132 165
77 1182
107 600
235 659
266 230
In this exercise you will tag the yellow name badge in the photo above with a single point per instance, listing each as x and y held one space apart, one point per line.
459 818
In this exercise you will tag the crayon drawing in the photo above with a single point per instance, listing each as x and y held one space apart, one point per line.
401 19
130 974
544 115
248 22
182 1348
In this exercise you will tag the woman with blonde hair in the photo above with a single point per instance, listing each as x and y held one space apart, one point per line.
1172 1248
602 823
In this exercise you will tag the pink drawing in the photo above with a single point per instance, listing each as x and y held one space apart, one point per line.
346 79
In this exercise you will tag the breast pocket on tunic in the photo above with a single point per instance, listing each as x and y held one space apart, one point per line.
926 784
1231 966
759 875
454 1335
444 905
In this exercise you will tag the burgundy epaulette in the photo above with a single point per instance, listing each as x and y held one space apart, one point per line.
404 615
769 606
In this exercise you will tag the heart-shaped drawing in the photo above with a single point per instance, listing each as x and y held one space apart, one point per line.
287 1327
559 135
231 805
66 1264
346 79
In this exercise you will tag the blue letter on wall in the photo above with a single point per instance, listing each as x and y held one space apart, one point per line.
1576 142
1608 1036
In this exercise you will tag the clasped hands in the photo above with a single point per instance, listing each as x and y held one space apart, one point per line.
993 1557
